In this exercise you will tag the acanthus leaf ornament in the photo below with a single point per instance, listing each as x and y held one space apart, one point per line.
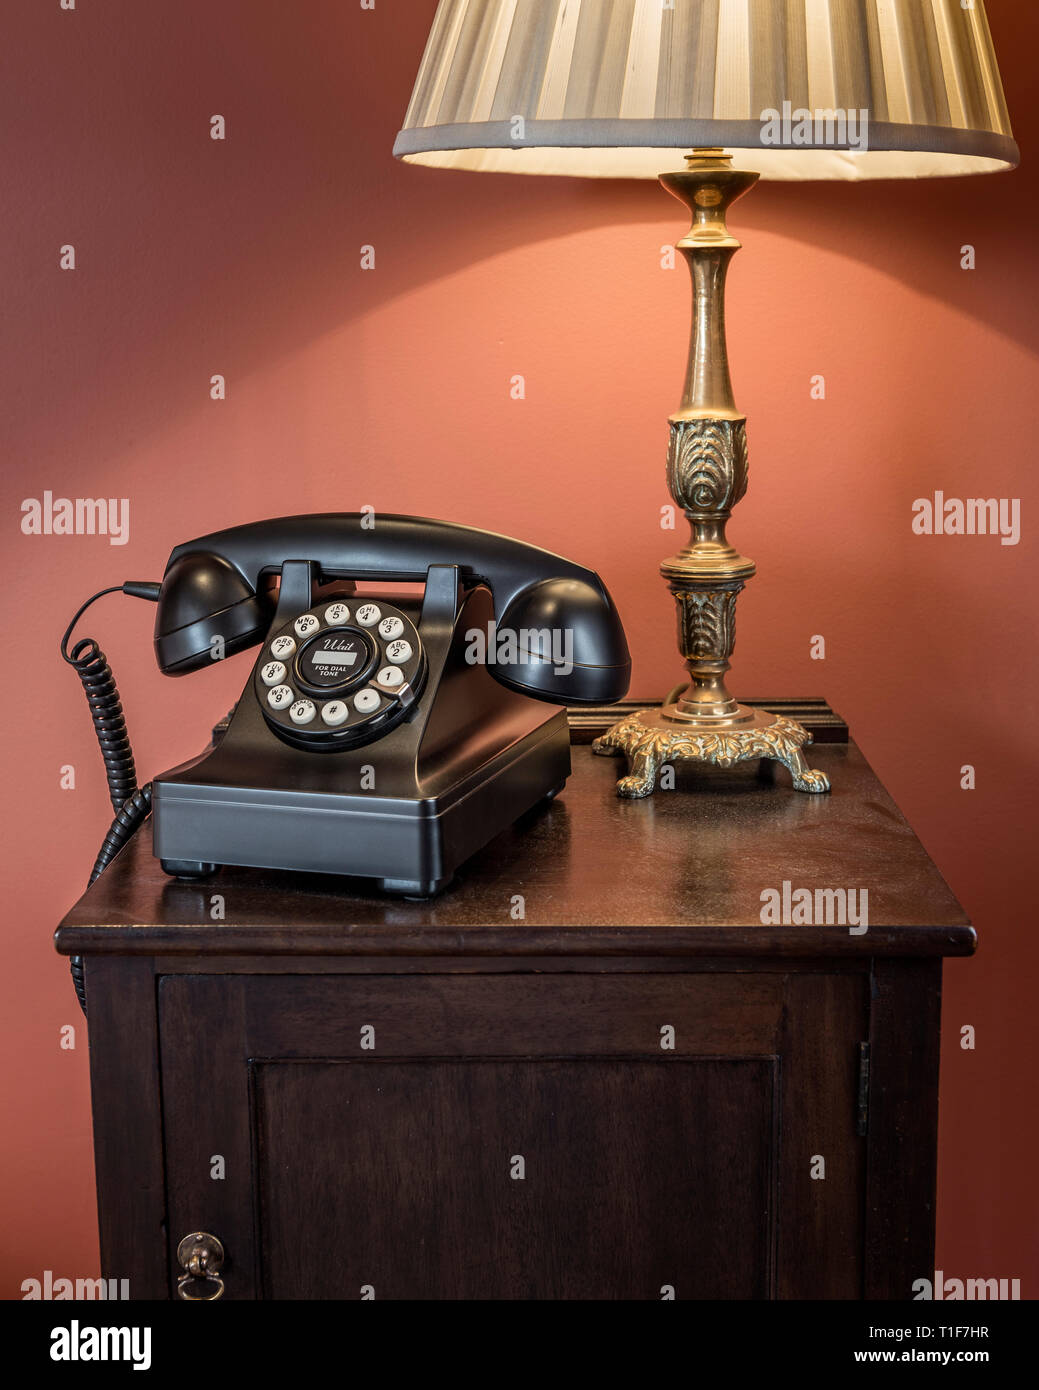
706 622
707 464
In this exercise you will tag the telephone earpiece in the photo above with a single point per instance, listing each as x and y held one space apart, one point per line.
204 604
567 644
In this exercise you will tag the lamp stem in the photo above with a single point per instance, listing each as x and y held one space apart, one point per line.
707 454
707 476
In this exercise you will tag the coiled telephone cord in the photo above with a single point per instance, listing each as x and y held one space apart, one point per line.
130 803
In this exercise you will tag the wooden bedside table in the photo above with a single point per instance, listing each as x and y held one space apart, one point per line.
635 1088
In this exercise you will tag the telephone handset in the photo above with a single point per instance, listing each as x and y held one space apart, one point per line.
213 587
378 736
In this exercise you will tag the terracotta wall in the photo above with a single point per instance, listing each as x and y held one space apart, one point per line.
390 387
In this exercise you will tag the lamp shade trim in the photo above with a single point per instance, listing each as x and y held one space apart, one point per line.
617 133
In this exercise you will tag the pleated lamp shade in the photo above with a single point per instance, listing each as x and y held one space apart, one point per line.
612 88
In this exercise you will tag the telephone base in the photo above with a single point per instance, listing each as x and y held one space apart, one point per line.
403 809
408 835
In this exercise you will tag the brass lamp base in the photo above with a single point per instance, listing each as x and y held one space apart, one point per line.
652 738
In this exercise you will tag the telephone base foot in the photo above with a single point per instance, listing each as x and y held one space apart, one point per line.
413 888
187 868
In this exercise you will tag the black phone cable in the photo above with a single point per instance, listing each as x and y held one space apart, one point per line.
129 802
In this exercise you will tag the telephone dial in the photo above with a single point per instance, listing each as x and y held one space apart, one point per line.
369 740
338 677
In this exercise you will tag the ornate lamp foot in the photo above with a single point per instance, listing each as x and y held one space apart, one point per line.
650 738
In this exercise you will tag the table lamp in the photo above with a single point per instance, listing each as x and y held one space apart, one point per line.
803 89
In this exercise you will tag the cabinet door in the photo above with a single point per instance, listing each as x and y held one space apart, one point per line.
517 1136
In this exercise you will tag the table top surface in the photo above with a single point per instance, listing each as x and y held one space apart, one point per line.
681 873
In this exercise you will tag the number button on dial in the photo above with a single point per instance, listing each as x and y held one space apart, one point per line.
273 673
336 614
303 711
399 652
391 676
282 647
366 701
334 713
306 625
390 628
280 696
368 614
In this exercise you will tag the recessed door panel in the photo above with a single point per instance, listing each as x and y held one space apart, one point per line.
541 1179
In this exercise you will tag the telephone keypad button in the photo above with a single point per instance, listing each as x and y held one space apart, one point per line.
399 652
366 701
391 676
273 673
390 628
303 711
334 712
282 647
280 696
306 625
368 614
336 614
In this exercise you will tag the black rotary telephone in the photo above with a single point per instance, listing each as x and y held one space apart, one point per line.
381 737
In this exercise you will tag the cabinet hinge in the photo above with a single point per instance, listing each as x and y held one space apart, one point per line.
862 1099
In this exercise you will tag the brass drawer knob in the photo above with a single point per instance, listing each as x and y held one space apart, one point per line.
200 1256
